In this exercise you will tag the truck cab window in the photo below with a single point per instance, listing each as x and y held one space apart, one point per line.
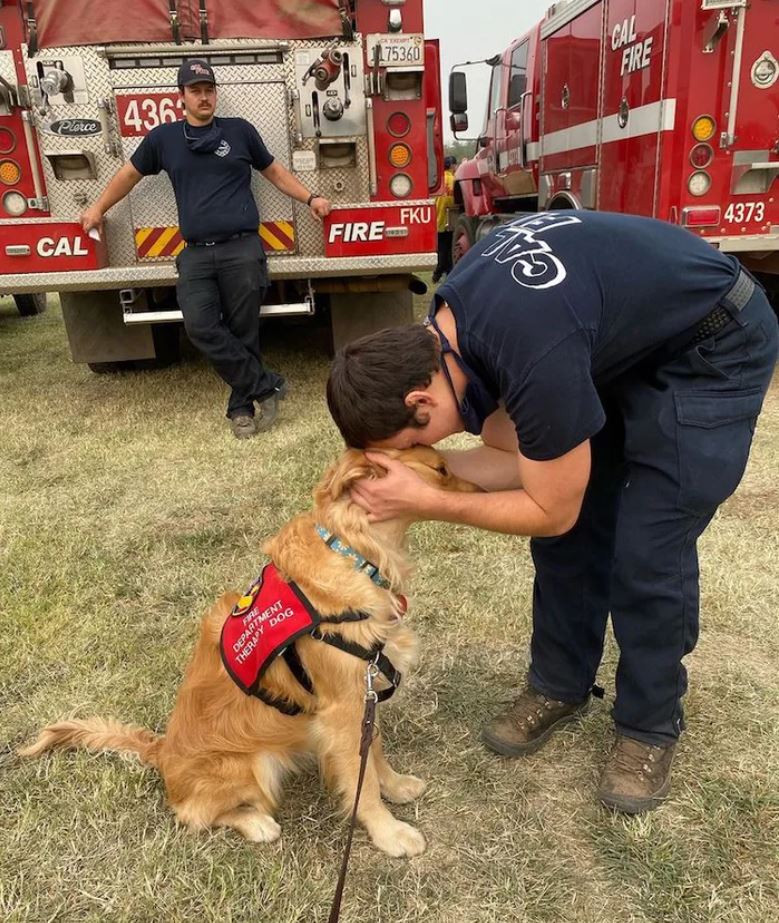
493 102
518 75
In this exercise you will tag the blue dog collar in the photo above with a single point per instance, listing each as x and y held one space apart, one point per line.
361 563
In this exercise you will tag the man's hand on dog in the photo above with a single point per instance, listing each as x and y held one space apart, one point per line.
400 494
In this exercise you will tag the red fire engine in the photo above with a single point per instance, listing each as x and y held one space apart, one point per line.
345 96
667 108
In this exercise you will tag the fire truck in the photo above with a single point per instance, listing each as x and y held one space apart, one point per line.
667 108
346 95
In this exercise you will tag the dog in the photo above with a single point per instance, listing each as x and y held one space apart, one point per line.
225 753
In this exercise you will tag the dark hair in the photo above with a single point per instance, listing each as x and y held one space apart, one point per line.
370 378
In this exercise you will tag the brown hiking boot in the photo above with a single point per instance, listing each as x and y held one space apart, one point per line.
243 426
637 776
529 723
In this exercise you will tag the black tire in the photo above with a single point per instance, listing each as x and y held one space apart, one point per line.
31 303
463 237
559 205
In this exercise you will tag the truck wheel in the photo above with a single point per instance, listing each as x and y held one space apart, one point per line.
464 237
31 303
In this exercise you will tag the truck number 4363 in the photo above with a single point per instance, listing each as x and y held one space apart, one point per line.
144 113
744 212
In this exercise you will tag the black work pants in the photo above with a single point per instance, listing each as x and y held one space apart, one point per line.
220 290
674 447
444 253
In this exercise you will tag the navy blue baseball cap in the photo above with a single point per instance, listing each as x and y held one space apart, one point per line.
195 70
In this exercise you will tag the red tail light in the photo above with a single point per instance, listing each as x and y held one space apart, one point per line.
701 155
398 124
7 140
701 217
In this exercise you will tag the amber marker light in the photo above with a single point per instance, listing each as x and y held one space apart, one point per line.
10 174
703 128
400 155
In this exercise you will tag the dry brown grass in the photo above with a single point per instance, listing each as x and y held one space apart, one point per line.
126 507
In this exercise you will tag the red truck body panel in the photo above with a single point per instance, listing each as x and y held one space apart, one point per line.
613 90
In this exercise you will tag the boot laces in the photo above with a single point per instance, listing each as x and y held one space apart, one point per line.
533 703
636 757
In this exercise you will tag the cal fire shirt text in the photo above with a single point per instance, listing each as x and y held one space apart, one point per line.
553 307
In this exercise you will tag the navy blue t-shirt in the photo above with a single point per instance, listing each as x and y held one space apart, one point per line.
553 306
213 191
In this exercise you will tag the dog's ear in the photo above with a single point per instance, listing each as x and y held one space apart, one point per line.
340 476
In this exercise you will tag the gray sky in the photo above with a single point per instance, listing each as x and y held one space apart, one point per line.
470 30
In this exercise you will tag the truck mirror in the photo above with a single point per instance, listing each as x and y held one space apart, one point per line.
458 121
458 93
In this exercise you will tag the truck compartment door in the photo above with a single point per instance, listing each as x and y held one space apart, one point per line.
635 113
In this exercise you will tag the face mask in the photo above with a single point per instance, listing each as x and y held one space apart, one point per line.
477 403
205 143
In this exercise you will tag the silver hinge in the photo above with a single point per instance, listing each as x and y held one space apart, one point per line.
41 204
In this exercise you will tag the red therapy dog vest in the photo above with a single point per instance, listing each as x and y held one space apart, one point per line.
272 615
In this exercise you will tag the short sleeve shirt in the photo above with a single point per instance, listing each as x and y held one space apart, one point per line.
213 190
552 307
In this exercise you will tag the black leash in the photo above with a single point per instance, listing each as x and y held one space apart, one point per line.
366 739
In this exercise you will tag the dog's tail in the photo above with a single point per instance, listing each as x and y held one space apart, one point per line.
97 734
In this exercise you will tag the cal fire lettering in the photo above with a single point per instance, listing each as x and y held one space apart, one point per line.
47 246
635 55
352 231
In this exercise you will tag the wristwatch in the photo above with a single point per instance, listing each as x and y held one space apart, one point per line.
314 195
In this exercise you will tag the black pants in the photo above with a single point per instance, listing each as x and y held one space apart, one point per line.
674 447
444 253
220 290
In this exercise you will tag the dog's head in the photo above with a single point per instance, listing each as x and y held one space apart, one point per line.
353 465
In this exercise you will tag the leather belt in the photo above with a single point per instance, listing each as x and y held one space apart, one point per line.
221 240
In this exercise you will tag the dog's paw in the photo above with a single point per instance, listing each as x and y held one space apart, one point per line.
260 828
402 789
399 839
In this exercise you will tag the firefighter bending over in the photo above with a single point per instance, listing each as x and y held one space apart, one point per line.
615 367
223 274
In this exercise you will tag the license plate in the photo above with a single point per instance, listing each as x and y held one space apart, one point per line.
397 50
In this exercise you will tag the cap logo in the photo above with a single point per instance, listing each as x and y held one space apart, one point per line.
199 69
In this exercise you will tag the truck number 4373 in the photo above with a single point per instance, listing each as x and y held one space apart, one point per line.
744 212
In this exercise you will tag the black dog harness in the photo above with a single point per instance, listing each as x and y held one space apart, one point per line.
266 622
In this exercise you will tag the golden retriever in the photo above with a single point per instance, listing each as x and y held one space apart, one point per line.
225 753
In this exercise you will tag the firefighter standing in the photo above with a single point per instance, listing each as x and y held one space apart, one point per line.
223 270
442 205
615 367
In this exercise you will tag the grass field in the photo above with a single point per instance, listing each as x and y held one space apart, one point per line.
127 507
